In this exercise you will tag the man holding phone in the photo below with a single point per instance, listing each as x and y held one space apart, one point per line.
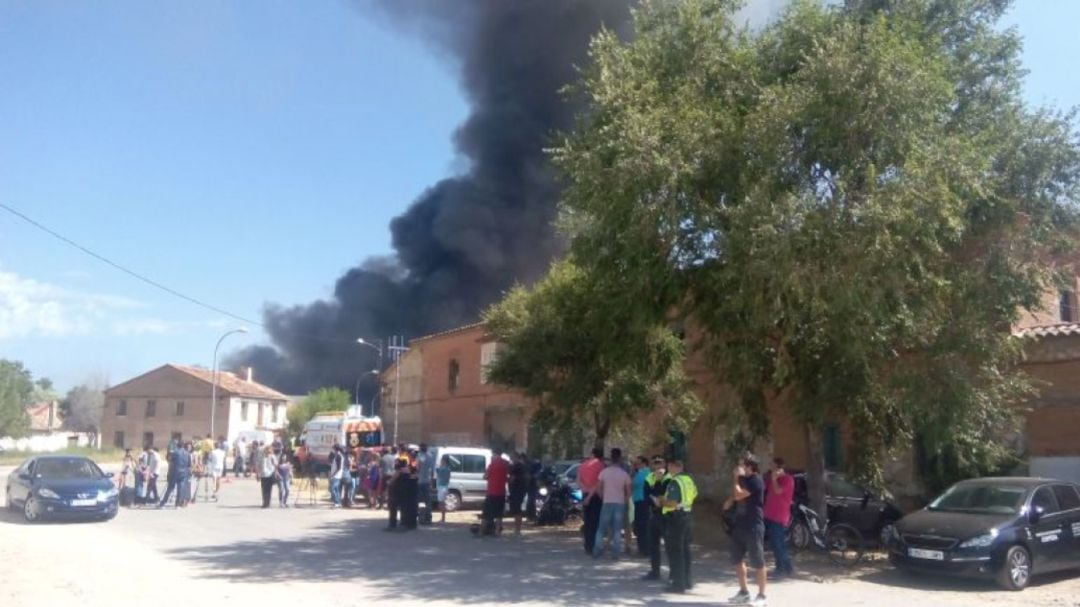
748 534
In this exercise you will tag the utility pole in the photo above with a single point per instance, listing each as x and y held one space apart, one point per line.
396 348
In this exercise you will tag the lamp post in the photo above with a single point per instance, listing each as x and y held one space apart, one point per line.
356 391
213 378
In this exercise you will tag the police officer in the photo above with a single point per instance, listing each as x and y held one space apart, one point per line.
676 508
655 490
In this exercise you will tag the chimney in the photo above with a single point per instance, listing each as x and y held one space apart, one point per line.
250 373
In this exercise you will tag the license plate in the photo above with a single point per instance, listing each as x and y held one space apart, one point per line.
90 502
919 553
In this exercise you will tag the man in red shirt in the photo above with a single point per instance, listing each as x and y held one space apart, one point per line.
588 479
495 498
779 492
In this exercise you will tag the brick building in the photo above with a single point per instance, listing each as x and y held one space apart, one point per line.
443 396
174 401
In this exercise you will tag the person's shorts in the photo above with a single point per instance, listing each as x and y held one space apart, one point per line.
516 499
215 473
440 494
494 506
748 545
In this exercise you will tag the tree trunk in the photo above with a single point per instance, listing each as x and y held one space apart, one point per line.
815 468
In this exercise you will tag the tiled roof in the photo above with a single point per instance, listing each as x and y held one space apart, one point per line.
449 331
39 416
1063 329
230 382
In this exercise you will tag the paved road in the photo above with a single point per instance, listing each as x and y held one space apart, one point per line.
233 552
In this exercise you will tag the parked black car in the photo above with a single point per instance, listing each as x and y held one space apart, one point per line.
61 486
871 514
1005 528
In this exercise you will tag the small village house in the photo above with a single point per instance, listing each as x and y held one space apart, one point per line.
173 401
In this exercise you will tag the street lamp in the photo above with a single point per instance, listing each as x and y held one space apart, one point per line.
357 390
213 378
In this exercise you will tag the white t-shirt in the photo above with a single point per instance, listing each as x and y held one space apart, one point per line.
217 462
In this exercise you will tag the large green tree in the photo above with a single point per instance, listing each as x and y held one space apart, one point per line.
320 401
16 392
584 360
852 204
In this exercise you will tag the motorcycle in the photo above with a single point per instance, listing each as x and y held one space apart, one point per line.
557 503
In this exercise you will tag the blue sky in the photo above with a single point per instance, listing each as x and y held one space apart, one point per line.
239 152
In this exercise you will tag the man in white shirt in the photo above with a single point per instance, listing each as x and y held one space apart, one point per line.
337 473
217 468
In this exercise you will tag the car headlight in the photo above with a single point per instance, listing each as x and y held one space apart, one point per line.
48 493
981 541
104 496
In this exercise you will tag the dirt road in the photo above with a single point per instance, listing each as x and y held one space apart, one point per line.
234 552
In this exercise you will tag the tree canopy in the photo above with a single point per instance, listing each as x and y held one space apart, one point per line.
321 400
853 204
16 392
586 361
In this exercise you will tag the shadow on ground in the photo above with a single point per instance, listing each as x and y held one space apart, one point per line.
442 562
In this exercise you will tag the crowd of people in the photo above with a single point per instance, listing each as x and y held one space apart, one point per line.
650 499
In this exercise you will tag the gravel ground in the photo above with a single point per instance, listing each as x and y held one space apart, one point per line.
232 551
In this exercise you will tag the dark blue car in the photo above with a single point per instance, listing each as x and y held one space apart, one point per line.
62 487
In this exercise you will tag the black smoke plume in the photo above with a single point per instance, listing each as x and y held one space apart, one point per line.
467 238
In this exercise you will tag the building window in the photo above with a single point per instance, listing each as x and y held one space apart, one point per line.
121 408
244 411
1067 306
274 413
148 439
455 375
118 439
488 352
179 408
151 408
259 419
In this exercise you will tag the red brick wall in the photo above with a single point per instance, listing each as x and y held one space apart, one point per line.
473 406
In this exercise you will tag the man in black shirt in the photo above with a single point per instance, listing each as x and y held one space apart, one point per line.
655 489
748 534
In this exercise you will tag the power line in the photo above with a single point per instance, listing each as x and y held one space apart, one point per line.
132 273
145 279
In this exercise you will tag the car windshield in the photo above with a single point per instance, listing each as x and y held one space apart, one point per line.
981 498
68 467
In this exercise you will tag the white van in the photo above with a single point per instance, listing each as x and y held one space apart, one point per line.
467 468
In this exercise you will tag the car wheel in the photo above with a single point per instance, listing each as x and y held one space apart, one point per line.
452 501
30 509
886 534
1015 572
799 536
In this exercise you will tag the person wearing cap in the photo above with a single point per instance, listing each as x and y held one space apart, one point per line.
655 489
676 508
748 533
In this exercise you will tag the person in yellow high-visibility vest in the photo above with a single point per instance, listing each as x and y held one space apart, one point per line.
676 508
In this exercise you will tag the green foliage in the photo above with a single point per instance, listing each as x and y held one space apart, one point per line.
16 392
83 406
585 360
319 401
853 205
